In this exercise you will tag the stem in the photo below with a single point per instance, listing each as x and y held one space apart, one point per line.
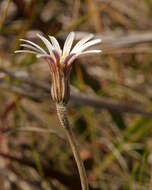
62 115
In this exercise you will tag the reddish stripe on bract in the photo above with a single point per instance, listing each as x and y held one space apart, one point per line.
57 56
68 58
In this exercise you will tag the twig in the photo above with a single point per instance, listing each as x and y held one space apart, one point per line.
107 103
114 41
21 91
76 97
5 14
40 130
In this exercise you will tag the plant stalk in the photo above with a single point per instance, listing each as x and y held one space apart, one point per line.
62 115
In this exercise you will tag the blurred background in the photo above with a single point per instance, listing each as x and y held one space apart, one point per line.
110 109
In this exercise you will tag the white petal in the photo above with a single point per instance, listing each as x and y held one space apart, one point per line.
68 44
72 59
55 44
87 45
35 45
25 51
48 45
89 52
31 47
82 41
43 55
81 54
46 42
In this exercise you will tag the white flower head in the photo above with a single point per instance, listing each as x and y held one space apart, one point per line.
59 60
54 51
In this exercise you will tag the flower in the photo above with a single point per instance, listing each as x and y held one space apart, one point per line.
59 60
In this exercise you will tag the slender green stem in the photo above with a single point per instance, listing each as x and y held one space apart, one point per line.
5 14
62 115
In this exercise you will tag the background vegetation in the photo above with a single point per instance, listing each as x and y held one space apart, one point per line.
110 108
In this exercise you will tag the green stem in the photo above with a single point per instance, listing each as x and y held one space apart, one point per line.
5 14
62 115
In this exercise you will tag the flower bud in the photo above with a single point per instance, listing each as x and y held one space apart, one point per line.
60 90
